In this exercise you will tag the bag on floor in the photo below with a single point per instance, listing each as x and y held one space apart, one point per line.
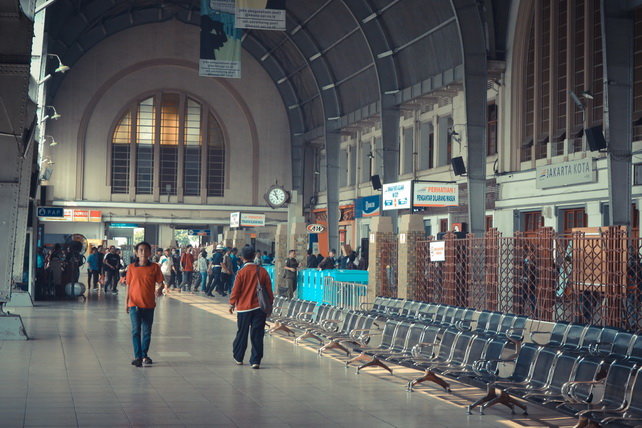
264 298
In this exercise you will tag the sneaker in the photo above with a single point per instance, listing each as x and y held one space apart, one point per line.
238 363
256 366
138 362
147 361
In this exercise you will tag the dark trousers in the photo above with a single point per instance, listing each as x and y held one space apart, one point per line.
214 280
111 280
142 320
187 280
92 274
254 321
225 283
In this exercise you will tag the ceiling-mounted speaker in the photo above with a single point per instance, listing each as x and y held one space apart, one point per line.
458 165
595 138
376 182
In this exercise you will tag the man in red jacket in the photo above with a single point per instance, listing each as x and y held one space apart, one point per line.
249 314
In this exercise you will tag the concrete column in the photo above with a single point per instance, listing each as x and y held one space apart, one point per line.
298 240
239 239
594 214
411 230
228 238
380 234
280 252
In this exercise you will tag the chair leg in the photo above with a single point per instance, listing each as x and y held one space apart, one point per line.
359 357
505 399
432 377
374 362
308 335
281 327
333 344
490 395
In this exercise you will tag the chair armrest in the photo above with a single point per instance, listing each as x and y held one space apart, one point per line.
302 316
415 351
602 409
538 332
618 418
363 305
332 325
459 325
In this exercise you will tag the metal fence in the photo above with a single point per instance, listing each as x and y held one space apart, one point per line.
347 295
593 278
388 268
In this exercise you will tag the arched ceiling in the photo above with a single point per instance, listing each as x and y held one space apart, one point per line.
336 58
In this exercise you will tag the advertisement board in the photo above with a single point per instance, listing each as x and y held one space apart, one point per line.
397 196
438 251
369 206
239 219
431 194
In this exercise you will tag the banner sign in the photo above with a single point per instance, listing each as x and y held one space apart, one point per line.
397 196
198 232
566 173
244 219
438 251
427 194
51 212
260 14
369 206
74 215
220 40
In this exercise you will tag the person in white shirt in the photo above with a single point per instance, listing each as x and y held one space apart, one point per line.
165 262
201 265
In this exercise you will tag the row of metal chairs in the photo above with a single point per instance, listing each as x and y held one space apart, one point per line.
563 371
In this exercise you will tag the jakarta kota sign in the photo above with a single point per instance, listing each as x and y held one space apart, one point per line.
315 228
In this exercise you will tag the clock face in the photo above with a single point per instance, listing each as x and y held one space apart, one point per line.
277 196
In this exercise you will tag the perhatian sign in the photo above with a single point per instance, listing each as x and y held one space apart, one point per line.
397 196
430 194
566 174
238 219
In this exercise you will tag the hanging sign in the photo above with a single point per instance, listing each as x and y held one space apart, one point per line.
244 219
260 14
369 206
315 228
431 194
566 173
438 251
220 40
397 196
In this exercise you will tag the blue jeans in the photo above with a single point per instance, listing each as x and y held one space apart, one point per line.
142 320
203 280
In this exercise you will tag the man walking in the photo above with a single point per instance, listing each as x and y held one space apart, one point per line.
250 317
290 274
187 266
94 269
111 264
215 281
143 277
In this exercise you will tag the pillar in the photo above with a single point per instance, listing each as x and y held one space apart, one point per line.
228 239
239 238
298 240
411 230
380 234
280 252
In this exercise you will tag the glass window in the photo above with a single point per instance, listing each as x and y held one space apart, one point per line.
169 143
215 158
192 171
120 155
408 136
145 147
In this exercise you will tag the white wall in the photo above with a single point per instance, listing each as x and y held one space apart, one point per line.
152 57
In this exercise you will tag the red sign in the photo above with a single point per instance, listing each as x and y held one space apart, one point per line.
315 228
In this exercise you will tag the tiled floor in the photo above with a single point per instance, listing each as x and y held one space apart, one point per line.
76 372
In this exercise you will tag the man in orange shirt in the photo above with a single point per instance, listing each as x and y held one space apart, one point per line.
142 279
187 266
249 314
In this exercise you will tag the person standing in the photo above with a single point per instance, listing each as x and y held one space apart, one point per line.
157 256
289 273
215 281
176 269
187 267
227 271
165 263
93 270
250 317
311 261
202 269
327 263
111 264
101 258
144 283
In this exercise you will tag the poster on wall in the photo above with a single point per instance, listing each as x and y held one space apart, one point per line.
220 40
432 194
438 251
260 14
397 196
368 206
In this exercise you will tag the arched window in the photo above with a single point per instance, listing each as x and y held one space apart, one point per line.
168 130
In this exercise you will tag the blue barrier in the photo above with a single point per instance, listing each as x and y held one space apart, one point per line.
311 282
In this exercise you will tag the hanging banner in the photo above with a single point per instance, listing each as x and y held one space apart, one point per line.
220 40
427 194
397 196
260 14
368 206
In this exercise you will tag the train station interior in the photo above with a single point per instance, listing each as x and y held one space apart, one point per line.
457 184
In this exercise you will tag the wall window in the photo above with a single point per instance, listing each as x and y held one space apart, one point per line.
167 132
563 53
408 136
491 137
572 218
343 167
366 161
352 172
427 146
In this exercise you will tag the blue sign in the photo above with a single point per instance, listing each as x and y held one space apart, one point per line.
57 212
198 232
124 225
369 206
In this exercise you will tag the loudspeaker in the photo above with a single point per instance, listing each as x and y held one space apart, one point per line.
458 165
595 138
376 182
